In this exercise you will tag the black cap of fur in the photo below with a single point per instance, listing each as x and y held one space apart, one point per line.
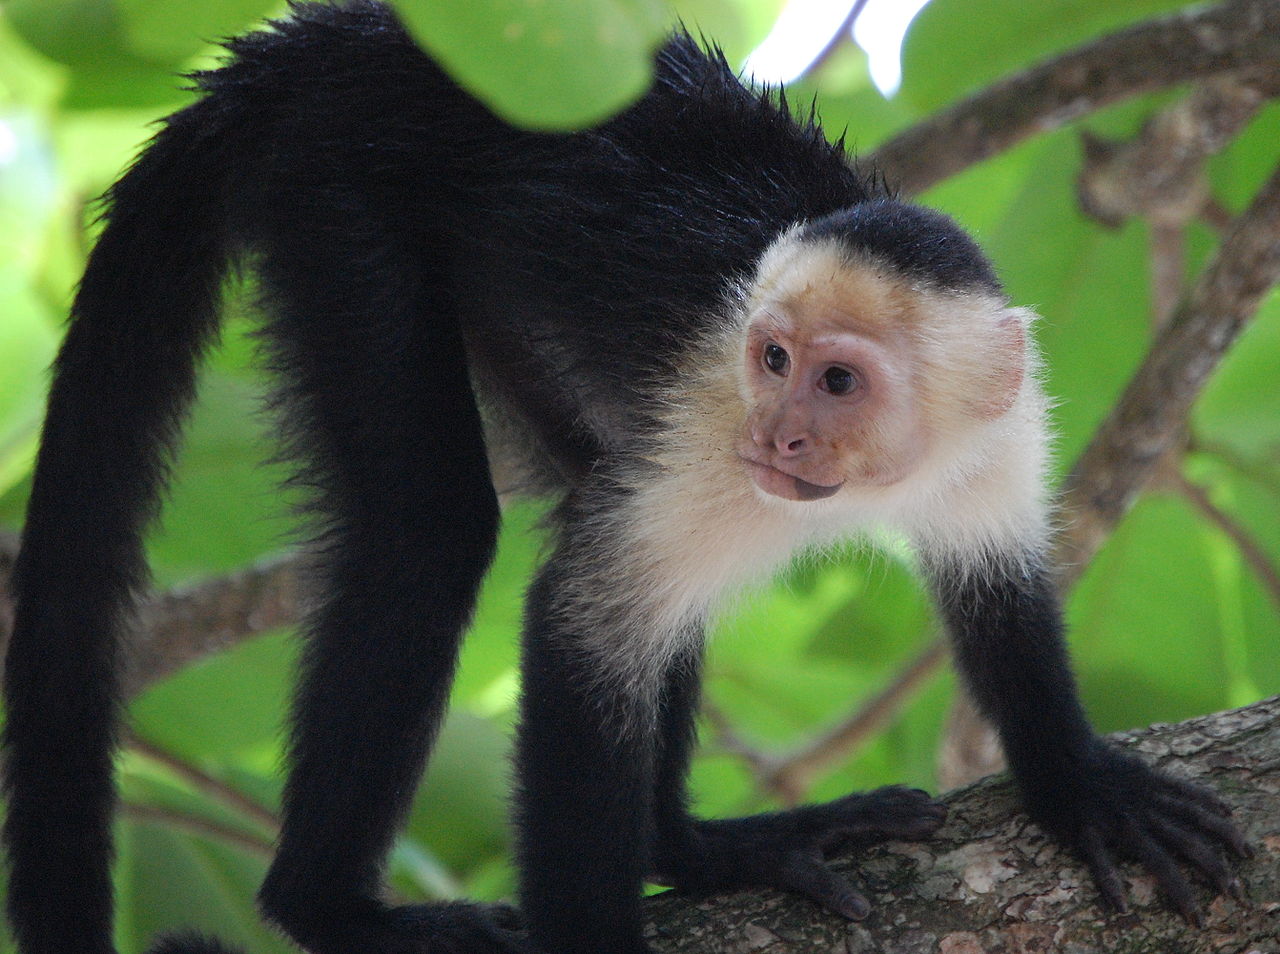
918 242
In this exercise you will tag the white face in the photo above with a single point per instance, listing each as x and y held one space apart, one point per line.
829 406
851 371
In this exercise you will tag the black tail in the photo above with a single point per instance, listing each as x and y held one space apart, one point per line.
146 309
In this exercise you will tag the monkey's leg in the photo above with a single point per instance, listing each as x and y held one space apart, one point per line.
780 849
378 387
584 775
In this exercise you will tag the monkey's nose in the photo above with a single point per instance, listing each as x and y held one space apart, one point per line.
791 446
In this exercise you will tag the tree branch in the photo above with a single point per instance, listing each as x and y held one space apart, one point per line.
185 624
180 626
991 881
1149 418
790 776
1240 36
1159 176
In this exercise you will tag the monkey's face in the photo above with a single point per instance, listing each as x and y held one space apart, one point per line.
829 402
855 375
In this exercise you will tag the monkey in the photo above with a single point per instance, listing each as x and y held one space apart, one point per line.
699 329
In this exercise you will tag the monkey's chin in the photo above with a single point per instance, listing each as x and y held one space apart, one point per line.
777 484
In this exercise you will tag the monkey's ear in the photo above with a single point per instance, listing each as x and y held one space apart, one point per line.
1008 365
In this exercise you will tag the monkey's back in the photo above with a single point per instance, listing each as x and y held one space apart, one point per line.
416 163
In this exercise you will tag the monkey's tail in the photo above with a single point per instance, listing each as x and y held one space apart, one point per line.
144 313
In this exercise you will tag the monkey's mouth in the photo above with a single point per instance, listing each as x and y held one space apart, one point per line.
788 486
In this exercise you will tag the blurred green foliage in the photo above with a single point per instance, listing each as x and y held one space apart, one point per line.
1169 622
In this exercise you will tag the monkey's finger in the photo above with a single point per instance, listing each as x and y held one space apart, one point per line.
1103 869
893 812
1161 864
805 876
1199 818
1197 850
1197 794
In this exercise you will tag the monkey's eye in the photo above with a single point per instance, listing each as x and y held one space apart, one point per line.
838 381
776 358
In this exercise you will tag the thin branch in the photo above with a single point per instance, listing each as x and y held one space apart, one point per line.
212 788
1160 175
726 738
181 626
1250 550
838 35
204 827
1240 36
1168 262
791 776
1150 417
1262 472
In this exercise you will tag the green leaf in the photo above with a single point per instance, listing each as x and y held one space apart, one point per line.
957 46
1146 622
486 681
226 507
229 707
461 810
1248 611
74 32
547 64
26 77
169 880
89 37
848 104
27 343
170 32
736 26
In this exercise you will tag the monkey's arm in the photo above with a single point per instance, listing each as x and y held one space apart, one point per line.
1006 627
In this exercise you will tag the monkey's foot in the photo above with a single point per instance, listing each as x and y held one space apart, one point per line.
452 928
787 849
1121 806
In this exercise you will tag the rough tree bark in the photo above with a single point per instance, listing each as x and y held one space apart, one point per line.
991 882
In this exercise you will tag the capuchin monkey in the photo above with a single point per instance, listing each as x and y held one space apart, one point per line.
698 329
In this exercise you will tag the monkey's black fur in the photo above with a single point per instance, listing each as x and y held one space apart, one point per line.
915 241
412 250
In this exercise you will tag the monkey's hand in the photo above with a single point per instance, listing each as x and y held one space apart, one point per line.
1118 805
787 849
